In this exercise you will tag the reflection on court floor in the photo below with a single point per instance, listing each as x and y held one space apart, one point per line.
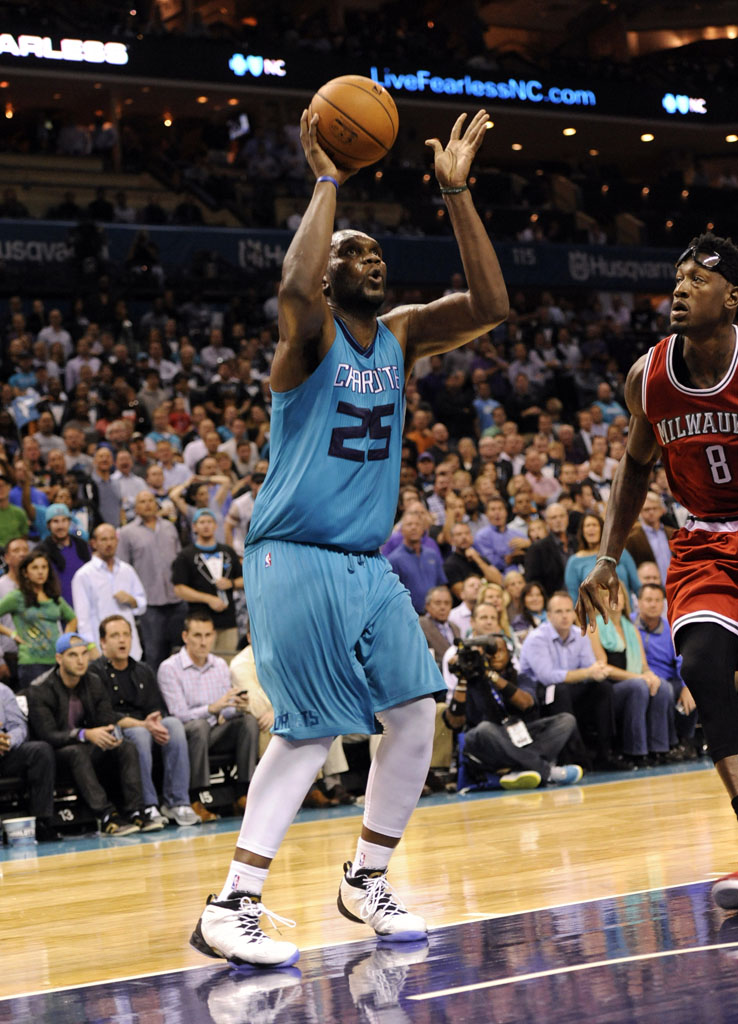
660 957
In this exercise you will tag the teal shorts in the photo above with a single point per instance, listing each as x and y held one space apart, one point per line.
335 636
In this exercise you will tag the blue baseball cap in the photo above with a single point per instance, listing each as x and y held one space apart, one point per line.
57 509
204 512
65 642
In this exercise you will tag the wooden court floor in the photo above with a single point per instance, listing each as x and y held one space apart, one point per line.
128 908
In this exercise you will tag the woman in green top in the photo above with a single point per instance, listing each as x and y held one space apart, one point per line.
40 615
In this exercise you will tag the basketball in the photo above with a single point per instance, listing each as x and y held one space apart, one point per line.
358 121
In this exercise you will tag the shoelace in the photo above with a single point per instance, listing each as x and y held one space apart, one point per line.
379 896
249 914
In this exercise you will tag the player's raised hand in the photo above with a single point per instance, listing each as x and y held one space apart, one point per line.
319 161
452 163
598 594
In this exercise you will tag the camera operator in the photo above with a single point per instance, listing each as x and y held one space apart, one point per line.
503 730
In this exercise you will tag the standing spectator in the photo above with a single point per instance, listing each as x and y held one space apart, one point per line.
46 436
141 714
437 497
240 511
13 520
129 483
196 686
419 568
37 609
438 631
561 662
648 541
67 551
108 491
174 472
107 586
15 551
207 573
71 711
150 544
31 760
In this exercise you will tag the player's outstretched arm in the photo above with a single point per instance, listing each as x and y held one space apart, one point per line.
599 590
453 320
305 323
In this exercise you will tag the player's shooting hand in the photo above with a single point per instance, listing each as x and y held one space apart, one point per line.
319 161
452 163
598 594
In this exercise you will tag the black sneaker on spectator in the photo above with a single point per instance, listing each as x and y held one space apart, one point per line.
113 825
153 819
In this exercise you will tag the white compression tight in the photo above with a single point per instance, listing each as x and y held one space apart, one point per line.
400 766
287 770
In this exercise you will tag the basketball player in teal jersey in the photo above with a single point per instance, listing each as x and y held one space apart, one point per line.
336 639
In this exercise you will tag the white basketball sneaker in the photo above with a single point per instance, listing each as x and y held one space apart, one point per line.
230 929
367 898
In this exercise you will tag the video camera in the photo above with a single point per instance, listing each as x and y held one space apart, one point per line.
473 655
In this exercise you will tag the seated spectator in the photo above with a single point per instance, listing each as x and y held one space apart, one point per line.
107 586
658 646
38 610
588 549
648 541
465 560
15 551
66 549
30 760
497 543
418 567
461 615
494 594
545 560
197 688
642 702
207 573
70 710
504 732
437 629
568 677
141 714
129 483
533 611
513 583
109 501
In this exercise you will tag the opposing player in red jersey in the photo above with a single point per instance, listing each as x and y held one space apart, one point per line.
683 400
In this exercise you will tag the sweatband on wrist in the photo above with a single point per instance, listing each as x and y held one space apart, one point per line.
327 177
457 707
450 191
81 735
607 558
509 691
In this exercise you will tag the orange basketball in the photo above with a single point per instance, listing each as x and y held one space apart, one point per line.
358 120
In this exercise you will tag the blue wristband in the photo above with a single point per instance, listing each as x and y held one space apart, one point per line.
327 177
81 735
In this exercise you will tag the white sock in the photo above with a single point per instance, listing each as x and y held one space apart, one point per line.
370 855
245 878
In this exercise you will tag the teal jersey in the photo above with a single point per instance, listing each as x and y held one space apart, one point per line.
335 446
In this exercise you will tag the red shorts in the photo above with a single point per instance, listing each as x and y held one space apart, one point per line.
702 582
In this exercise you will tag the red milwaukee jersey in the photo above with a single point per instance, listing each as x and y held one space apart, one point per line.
697 429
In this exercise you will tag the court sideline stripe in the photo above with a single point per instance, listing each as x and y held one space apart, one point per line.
499 982
354 942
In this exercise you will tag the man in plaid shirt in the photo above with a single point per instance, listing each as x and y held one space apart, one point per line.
196 686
